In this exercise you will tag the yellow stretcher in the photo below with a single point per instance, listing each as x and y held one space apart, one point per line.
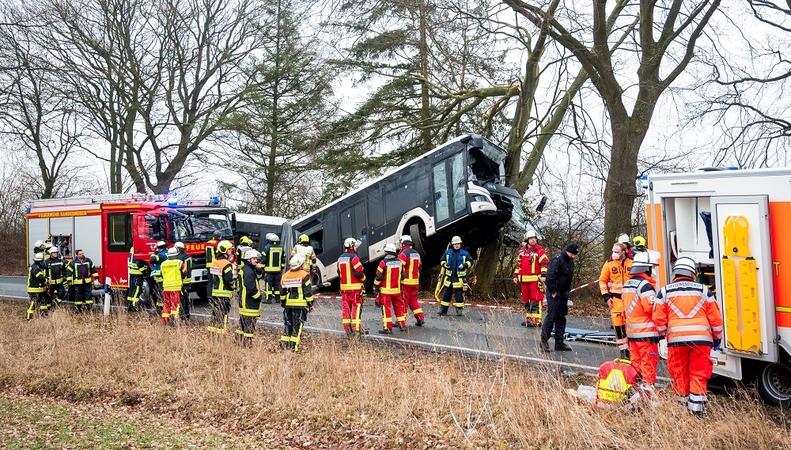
740 288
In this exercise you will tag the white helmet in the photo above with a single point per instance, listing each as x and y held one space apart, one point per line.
349 242
48 245
252 254
38 257
529 234
624 239
390 249
685 266
296 261
173 251
53 250
179 245
38 244
455 240
161 244
272 237
642 262
406 239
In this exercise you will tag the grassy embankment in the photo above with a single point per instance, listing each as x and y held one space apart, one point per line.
128 382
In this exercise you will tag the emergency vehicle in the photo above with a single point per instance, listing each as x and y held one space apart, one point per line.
736 224
108 227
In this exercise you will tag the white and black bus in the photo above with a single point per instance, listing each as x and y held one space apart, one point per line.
455 189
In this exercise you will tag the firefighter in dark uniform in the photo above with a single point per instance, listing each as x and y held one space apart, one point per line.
296 297
159 256
83 276
137 271
456 261
36 285
56 276
222 281
249 298
245 244
186 282
211 252
274 262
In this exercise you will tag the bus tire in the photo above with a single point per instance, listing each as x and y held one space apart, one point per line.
417 239
315 280
773 382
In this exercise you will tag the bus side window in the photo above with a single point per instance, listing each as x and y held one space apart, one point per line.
316 240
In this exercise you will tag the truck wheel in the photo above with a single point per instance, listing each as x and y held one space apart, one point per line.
773 382
417 239
201 291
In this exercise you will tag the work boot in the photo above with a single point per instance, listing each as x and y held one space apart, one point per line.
459 311
386 331
545 345
562 347
402 327
419 322
442 313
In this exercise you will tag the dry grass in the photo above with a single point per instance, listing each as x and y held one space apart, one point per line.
338 394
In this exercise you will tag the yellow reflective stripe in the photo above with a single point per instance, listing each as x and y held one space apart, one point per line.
783 309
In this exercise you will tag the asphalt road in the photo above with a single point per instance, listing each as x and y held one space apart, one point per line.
490 333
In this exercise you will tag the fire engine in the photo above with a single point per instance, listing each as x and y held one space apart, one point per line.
736 224
109 227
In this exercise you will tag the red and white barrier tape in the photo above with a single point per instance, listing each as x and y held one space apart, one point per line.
584 285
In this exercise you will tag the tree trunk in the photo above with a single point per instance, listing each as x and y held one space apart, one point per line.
486 268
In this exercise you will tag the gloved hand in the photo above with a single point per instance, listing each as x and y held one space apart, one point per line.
97 284
310 308
717 345
447 266
282 303
540 286
461 266
516 280
608 299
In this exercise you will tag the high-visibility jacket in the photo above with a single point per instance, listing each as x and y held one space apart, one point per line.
137 267
389 275
82 272
295 289
249 292
638 298
274 258
454 259
531 264
156 260
614 274
211 251
308 253
687 313
56 270
172 274
221 271
351 271
410 258
36 278
186 259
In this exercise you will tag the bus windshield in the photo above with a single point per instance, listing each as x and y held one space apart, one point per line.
194 226
487 164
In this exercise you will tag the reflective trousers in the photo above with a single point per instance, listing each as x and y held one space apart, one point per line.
351 310
293 319
170 305
457 293
272 285
134 291
399 309
645 356
690 368
409 294
57 292
531 297
220 307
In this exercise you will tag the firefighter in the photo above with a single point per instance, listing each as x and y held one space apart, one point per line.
249 298
159 256
387 285
39 247
688 315
296 296
639 245
530 273
173 271
222 281
410 286
614 274
47 247
36 286
83 276
185 304
56 276
639 296
303 248
274 262
211 252
623 238
245 244
137 271
352 282
456 261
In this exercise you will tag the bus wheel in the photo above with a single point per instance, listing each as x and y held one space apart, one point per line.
315 280
773 382
417 239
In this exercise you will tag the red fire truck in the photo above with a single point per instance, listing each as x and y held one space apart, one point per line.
108 227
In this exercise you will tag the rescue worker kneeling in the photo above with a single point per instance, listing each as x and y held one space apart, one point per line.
639 296
296 297
688 314
222 282
249 298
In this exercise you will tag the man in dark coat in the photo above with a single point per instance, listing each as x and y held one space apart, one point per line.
558 286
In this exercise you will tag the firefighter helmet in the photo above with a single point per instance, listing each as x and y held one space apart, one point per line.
38 244
642 263
272 237
638 241
349 242
179 245
38 257
48 245
224 246
406 239
455 240
53 250
252 254
390 249
685 266
173 251
296 261
304 239
161 244
529 234
624 239
244 240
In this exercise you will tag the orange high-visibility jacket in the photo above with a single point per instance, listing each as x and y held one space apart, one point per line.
614 274
638 298
351 271
388 275
532 263
687 313
410 258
